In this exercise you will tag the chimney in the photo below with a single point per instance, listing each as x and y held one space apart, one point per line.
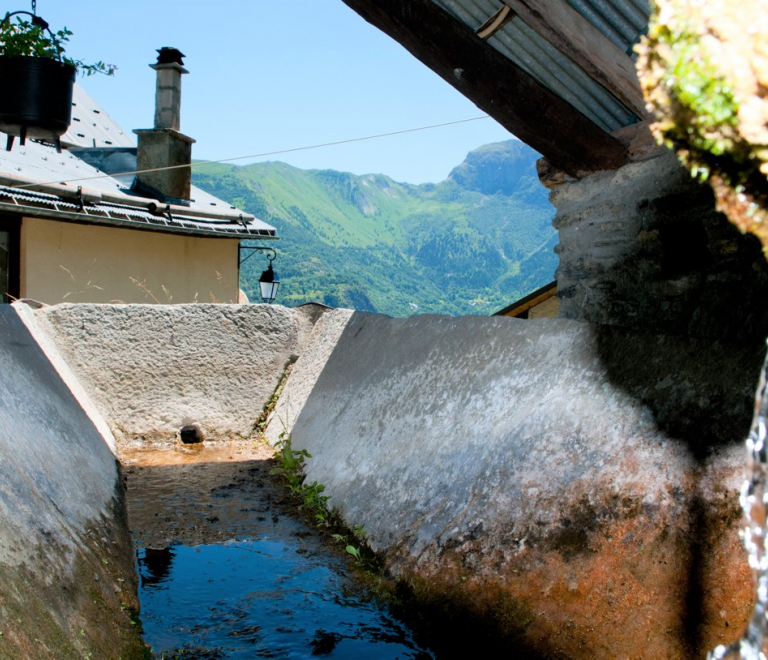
164 146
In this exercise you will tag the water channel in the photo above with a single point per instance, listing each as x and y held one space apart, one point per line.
228 570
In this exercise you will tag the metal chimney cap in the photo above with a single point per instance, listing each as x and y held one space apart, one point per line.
169 55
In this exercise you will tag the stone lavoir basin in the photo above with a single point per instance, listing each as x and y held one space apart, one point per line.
540 489
227 569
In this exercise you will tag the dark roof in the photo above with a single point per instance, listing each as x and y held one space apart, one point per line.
558 74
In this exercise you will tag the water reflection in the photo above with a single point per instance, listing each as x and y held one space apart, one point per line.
261 599
155 565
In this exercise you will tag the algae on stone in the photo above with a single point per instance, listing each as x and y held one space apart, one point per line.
704 71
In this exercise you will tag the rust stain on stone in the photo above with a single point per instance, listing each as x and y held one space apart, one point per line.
611 580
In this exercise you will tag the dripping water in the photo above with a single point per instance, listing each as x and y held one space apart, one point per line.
754 500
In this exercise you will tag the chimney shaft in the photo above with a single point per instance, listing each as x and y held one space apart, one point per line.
164 146
168 96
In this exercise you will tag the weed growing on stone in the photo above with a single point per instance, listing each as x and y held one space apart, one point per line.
260 425
314 504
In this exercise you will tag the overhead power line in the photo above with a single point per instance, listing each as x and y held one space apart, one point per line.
262 155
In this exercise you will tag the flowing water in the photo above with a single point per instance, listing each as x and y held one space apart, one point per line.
754 500
227 570
261 598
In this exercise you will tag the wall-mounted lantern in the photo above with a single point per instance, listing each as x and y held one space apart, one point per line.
269 282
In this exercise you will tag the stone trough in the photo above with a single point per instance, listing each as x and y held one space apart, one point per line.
562 489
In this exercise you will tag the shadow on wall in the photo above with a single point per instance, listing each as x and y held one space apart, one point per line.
658 257
665 382
706 422
646 249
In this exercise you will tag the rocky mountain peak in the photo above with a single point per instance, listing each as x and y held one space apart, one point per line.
501 168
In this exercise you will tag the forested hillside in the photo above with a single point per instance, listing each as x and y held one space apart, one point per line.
468 245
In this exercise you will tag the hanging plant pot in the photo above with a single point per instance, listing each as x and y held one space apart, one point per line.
36 101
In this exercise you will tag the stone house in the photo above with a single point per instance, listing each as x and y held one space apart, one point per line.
75 228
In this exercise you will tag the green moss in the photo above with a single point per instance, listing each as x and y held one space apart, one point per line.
513 615
697 108
260 425
31 628
704 107
86 611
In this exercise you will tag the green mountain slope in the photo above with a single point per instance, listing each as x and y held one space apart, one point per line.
469 245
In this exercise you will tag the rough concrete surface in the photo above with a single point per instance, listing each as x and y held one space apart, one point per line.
305 372
67 581
152 368
27 315
643 247
576 484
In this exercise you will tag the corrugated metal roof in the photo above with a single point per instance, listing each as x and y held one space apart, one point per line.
40 163
25 202
622 21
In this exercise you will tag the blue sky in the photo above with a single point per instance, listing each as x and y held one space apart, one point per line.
267 75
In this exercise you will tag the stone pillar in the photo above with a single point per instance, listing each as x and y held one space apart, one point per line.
643 247
160 148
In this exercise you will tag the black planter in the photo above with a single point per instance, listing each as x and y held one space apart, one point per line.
36 99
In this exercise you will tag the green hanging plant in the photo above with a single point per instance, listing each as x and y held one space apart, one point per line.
22 38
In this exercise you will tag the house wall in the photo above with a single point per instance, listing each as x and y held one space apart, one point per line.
68 262
643 247
546 309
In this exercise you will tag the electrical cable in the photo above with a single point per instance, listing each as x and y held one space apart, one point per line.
268 153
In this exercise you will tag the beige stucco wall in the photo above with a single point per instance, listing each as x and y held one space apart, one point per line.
68 262
546 309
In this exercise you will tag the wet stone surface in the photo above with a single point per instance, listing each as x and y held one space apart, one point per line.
228 570
206 493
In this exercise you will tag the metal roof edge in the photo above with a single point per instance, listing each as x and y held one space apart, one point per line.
107 218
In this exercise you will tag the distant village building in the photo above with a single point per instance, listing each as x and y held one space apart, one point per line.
74 229
542 303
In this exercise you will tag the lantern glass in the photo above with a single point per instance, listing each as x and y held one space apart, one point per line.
269 283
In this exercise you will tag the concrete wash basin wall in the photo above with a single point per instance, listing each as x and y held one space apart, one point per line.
67 579
151 368
67 375
572 488
568 489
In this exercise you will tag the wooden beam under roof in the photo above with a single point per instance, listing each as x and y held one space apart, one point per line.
574 36
637 138
540 118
